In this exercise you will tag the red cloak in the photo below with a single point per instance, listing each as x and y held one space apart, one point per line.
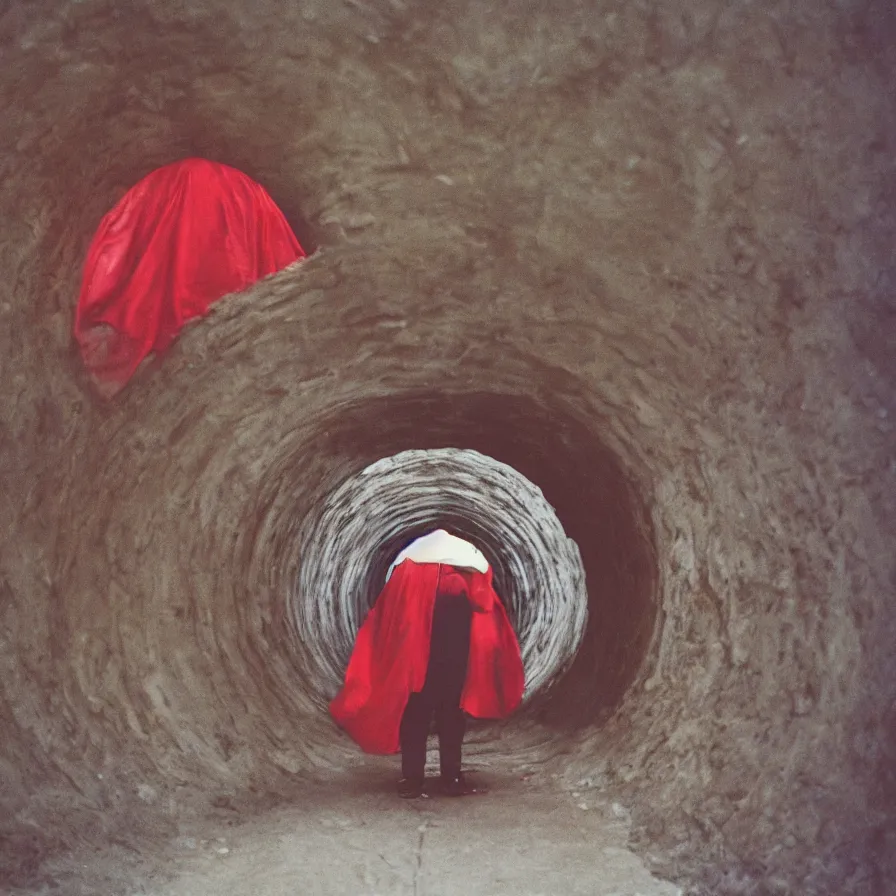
183 237
391 654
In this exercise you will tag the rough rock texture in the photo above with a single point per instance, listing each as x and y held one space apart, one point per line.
640 252
536 567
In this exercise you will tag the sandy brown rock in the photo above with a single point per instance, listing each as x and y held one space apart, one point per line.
643 255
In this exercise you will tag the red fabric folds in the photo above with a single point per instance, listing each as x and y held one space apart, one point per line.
391 654
183 237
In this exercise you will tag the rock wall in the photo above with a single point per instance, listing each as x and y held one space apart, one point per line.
640 253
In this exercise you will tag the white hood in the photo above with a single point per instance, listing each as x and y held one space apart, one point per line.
442 547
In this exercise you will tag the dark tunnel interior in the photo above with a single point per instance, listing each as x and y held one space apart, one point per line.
593 497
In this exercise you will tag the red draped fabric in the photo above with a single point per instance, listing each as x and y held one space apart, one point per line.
391 654
183 237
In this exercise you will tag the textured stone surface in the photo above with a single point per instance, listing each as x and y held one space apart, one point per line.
344 545
641 253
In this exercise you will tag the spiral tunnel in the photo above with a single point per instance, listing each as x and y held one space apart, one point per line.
604 288
537 569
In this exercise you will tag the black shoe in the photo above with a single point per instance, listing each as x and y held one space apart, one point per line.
459 786
410 788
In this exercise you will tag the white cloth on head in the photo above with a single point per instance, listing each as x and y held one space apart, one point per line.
442 547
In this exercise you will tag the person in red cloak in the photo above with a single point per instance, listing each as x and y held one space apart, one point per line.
437 643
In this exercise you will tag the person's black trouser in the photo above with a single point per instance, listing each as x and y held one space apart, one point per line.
442 689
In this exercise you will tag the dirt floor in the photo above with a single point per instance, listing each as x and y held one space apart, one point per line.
354 836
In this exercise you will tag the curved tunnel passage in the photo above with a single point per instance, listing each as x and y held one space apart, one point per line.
596 504
641 257
343 551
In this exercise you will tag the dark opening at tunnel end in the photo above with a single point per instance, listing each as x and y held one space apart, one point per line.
594 498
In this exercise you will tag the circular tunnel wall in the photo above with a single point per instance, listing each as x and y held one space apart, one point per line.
594 656
641 256
345 548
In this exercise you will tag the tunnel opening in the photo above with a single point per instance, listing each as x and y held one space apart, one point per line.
597 505
348 542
